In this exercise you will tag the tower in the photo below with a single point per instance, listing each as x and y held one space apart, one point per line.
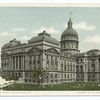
69 40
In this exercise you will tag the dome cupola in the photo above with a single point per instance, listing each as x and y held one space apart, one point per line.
69 32
69 40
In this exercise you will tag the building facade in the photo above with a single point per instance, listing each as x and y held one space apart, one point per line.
62 60
88 66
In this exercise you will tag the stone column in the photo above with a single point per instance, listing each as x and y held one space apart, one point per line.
59 69
23 67
43 60
21 62
73 74
18 62
97 69
84 70
85 73
31 62
49 62
26 62
89 69
36 61
11 63
74 71
15 61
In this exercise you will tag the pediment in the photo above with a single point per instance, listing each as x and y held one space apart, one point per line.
34 49
53 50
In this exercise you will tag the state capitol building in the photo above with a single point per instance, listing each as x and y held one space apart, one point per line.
62 60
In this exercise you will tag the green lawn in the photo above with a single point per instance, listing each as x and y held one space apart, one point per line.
57 87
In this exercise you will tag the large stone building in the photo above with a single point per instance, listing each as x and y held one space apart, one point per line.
62 60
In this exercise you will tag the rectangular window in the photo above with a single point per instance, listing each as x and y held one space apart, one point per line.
81 60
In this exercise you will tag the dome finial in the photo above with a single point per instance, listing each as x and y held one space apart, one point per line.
70 22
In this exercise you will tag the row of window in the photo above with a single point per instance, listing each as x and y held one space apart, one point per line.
64 45
55 59
34 62
68 75
51 58
67 62
79 61
36 59
62 75
52 62
68 67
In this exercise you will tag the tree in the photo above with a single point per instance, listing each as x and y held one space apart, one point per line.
39 75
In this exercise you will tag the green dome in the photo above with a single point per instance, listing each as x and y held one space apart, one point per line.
69 31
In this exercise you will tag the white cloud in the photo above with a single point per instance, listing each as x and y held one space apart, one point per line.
24 38
18 29
84 26
93 39
6 34
47 29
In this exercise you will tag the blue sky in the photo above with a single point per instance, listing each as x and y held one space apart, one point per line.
23 23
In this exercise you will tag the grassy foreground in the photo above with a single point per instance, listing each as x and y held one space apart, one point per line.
56 87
